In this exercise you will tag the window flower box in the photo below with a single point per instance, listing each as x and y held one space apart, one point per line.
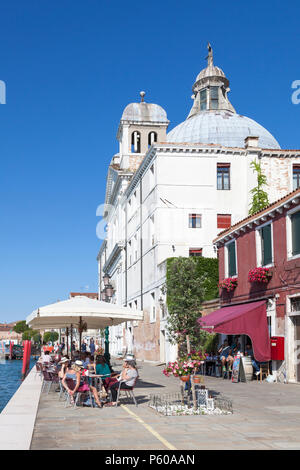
262 275
229 284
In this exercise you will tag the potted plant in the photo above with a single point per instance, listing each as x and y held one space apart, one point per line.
186 366
260 275
229 283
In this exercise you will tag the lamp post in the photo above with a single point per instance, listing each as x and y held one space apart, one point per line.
106 344
107 294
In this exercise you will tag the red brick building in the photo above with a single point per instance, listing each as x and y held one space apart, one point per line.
268 239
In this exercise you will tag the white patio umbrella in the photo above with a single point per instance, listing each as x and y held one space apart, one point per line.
95 313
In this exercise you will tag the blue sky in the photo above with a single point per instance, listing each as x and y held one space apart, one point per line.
70 68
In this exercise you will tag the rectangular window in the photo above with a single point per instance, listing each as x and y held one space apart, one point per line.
203 100
295 304
194 220
266 245
295 224
214 100
296 177
232 271
195 252
223 176
223 220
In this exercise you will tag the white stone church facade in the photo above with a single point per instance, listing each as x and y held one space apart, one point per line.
170 194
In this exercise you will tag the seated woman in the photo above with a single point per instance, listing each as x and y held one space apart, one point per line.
113 378
102 367
128 377
64 364
73 375
79 385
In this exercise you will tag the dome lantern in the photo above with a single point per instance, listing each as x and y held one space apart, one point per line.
210 89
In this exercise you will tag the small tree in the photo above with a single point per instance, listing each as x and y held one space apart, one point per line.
259 196
20 327
50 336
185 294
37 338
29 334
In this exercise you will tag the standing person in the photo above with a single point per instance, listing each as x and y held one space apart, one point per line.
128 377
92 365
83 347
92 346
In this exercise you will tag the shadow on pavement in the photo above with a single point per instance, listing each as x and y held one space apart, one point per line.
142 384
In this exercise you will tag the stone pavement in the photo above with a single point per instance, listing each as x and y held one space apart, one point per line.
266 416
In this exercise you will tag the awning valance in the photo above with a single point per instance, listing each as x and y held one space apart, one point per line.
244 319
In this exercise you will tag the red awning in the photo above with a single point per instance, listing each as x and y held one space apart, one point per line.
245 319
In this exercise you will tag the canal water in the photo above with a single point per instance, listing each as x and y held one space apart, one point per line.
10 379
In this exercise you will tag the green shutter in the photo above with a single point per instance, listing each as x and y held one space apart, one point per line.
231 259
266 245
295 220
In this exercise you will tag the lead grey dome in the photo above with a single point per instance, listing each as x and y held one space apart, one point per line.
144 112
221 127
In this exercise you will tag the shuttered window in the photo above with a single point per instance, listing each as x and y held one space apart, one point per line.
266 245
296 176
195 252
223 220
295 222
223 176
194 220
231 259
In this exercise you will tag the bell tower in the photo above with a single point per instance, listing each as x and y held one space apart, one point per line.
142 124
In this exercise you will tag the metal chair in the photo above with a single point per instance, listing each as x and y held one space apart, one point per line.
38 370
128 391
77 395
47 380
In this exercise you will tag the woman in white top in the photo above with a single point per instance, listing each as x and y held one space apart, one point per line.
128 378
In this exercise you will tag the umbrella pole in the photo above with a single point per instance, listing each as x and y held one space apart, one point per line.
71 341
106 353
67 333
80 333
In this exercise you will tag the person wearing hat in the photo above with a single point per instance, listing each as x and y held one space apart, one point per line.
73 374
128 378
64 362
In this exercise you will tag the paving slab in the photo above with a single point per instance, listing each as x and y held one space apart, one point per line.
266 416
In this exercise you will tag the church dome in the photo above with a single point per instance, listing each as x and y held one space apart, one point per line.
212 118
144 112
221 127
